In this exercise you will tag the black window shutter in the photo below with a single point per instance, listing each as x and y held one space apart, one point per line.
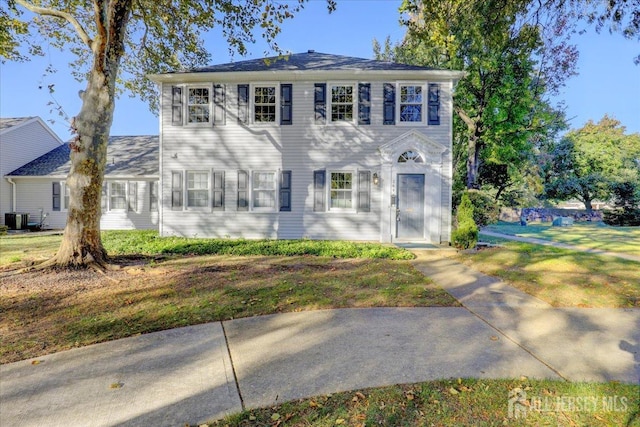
364 191
55 196
176 190
218 191
434 104
243 103
320 102
285 191
286 103
318 191
364 103
389 114
243 191
219 115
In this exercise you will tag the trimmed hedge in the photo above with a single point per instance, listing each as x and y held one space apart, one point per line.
622 217
465 236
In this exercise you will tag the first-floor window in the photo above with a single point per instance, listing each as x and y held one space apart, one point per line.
341 190
60 196
264 190
117 195
197 189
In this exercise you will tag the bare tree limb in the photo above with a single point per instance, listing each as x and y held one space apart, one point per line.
59 14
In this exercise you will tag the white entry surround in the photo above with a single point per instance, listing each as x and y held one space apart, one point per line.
427 160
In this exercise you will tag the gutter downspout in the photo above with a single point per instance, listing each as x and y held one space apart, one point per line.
13 195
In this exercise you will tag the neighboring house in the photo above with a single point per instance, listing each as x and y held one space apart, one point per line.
22 139
129 194
310 146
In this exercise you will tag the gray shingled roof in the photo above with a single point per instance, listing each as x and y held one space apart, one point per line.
307 61
126 156
8 122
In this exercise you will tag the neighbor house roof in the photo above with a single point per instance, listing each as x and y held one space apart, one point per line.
126 156
9 122
310 62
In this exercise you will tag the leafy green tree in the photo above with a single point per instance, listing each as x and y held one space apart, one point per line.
511 63
588 161
120 42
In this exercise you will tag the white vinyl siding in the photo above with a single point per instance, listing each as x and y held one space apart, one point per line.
240 149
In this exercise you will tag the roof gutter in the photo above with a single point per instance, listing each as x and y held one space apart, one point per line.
14 205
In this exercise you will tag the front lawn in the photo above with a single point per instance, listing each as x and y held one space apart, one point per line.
163 285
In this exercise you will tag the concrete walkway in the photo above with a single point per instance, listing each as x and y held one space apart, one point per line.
560 245
199 373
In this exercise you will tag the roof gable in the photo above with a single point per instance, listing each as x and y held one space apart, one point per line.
126 156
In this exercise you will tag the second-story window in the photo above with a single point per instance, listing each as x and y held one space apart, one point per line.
199 105
411 103
342 101
264 104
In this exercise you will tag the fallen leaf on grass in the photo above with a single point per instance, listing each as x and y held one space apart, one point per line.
36 362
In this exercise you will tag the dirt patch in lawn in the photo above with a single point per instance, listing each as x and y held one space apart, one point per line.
44 312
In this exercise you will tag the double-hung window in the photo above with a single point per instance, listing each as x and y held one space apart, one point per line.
264 190
341 190
264 104
198 104
342 102
197 189
411 103
117 195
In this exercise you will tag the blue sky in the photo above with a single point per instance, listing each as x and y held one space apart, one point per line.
609 81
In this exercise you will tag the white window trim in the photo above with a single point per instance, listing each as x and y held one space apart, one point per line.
252 109
185 89
185 192
425 95
354 190
276 197
329 103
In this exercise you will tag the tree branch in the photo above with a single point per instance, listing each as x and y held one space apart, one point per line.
59 14
471 124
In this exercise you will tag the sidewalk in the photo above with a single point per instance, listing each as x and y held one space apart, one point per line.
200 373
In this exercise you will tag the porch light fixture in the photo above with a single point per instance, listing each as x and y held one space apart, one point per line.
376 180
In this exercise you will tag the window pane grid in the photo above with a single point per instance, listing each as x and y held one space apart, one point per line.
264 190
118 195
198 105
341 190
197 189
411 103
264 102
341 103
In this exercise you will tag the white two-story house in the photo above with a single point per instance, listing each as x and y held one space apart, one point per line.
311 146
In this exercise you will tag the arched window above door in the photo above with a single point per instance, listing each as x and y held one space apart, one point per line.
410 156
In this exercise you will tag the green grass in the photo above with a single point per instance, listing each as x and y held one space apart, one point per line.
463 402
33 248
586 235
563 278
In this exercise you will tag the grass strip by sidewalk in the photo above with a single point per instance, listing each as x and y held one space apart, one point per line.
463 402
561 277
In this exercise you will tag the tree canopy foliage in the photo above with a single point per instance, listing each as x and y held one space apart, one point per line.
591 162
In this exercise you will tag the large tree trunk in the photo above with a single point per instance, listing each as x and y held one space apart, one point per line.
81 243
473 160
